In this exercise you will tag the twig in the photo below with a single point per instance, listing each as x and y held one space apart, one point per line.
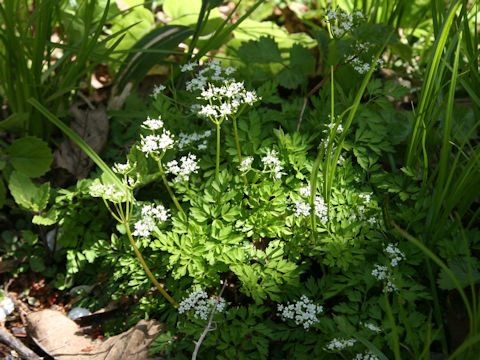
207 328
310 93
17 345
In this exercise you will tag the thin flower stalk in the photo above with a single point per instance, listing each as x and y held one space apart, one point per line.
146 268
217 161
237 141
169 189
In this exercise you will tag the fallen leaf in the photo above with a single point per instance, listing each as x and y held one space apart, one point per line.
60 337
91 126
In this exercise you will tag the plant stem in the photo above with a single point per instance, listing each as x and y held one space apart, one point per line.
239 149
146 268
217 163
169 189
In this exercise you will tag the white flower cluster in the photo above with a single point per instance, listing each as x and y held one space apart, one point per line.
340 344
222 94
198 301
188 67
151 215
305 191
154 143
246 164
372 327
346 22
331 126
303 208
228 98
211 71
153 124
303 312
187 139
381 272
366 197
364 67
272 164
6 306
123 169
321 209
108 192
394 254
182 171
366 356
157 89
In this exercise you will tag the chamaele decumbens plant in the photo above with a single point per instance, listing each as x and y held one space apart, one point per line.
241 214
297 228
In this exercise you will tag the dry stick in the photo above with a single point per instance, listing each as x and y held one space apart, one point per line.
17 345
207 328
310 93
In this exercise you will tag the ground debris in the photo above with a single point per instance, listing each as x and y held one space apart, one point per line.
92 126
61 338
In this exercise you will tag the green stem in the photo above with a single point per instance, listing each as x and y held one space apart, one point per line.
239 149
146 268
169 189
217 163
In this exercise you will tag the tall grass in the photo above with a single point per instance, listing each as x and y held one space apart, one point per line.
450 175
28 68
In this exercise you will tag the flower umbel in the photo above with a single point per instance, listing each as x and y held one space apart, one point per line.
303 312
182 170
201 304
151 215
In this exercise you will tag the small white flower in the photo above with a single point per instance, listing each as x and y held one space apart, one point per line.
381 272
225 109
394 254
321 209
197 83
366 197
331 15
373 327
366 356
246 164
302 208
229 70
188 67
272 164
151 215
340 344
187 139
305 191
123 169
188 165
153 124
108 192
155 143
208 110
202 306
157 89
303 312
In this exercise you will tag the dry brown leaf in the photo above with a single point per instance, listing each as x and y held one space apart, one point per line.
91 126
60 337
